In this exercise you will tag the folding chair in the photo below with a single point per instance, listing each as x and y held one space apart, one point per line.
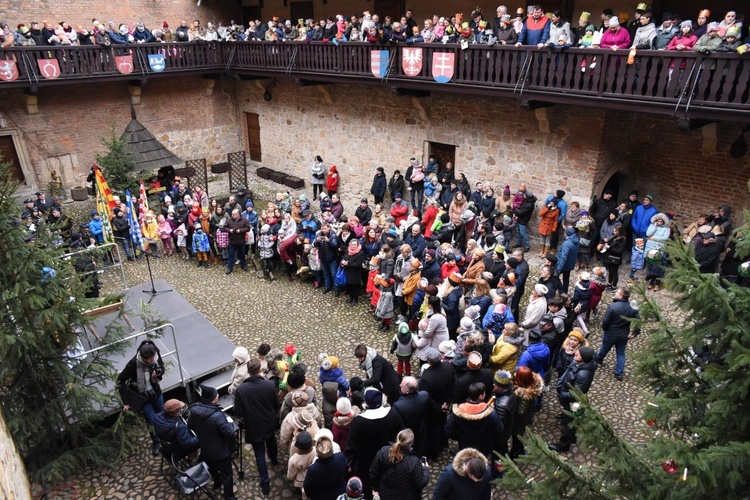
192 480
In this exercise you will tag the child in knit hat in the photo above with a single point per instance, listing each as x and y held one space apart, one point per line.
384 310
637 257
354 490
182 232
342 421
403 345
266 242
331 372
597 286
581 296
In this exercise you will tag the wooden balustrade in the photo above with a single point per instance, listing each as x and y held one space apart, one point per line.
693 84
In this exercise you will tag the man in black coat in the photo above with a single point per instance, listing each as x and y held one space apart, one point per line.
363 212
372 429
505 406
256 402
412 406
617 329
523 215
474 423
518 265
474 373
237 227
380 372
579 374
600 209
439 381
216 436
707 255
378 186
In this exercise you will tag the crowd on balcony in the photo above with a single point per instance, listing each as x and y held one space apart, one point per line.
530 27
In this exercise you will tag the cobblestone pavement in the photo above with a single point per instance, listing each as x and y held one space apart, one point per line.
249 310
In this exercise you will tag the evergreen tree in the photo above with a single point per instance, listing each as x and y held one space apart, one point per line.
694 368
117 164
48 396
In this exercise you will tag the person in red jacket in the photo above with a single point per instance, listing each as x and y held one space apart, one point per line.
292 248
428 219
399 209
332 182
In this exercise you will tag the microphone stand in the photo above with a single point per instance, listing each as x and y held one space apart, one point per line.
153 292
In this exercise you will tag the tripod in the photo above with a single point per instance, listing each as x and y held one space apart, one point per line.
153 292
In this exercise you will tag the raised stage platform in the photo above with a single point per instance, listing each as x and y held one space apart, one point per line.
197 351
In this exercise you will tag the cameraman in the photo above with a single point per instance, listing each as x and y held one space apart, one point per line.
172 429
138 385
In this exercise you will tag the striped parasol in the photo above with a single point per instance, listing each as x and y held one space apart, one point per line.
135 227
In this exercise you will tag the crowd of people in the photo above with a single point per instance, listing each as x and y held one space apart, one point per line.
530 26
466 362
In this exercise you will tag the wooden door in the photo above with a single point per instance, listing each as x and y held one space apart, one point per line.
9 155
300 10
393 8
444 153
253 135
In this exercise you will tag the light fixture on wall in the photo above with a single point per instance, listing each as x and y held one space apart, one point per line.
267 93
738 148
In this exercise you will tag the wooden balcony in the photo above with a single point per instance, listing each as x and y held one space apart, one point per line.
685 85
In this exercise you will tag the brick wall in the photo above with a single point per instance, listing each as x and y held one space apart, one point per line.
72 120
152 12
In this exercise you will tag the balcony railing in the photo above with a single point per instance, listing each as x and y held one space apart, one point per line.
686 84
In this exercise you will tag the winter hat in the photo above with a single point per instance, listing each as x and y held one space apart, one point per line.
474 361
576 334
506 191
265 228
432 355
431 252
686 22
540 289
249 204
455 279
570 231
714 26
535 336
354 487
552 258
650 197
397 195
373 398
467 323
207 394
173 407
344 406
94 213
529 194
240 354
300 398
560 193
512 262
304 441
303 420
613 21
446 346
584 276
587 353
445 218
503 377
403 328
590 28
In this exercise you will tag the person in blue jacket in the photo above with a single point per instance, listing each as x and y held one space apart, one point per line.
641 218
537 355
95 226
169 425
567 257
535 29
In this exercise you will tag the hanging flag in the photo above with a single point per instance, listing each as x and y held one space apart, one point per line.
124 64
379 62
411 61
101 183
442 66
49 68
8 70
135 229
103 209
143 204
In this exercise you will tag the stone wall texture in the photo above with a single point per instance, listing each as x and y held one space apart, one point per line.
358 128
13 482
72 121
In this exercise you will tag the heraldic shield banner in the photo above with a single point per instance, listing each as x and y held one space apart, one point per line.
124 64
49 68
442 66
379 62
157 62
411 61
8 70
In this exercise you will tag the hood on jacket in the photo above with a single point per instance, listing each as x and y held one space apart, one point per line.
583 285
474 411
727 211
533 392
463 456
589 365
662 217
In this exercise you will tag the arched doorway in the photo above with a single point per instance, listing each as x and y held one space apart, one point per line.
618 179
613 185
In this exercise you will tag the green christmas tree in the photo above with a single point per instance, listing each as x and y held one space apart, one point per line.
48 395
695 370
117 164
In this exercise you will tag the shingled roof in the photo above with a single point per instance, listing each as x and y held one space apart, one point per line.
147 152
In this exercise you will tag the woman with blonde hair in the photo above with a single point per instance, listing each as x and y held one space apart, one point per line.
396 473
